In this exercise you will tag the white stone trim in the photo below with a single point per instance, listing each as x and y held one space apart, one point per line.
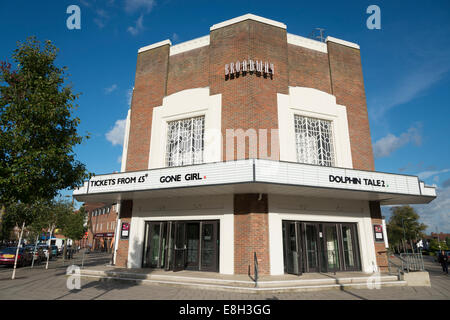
155 45
343 42
123 164
320 210
313 103
248 16
187 104
189 45
306 43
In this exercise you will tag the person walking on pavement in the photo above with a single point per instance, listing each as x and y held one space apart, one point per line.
443 260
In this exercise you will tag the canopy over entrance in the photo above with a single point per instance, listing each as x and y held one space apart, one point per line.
257 176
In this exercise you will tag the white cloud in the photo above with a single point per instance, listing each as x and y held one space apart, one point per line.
388 144
412 86
119 159
101 18
116 134
426 174
436 215
111 89
135 5
139 26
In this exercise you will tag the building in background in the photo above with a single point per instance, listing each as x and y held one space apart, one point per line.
251 144
101 224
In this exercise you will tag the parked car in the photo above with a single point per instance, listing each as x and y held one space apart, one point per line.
8 255
47 252
54 250
39 254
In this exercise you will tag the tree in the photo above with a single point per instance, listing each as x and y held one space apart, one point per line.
436 245
20 215
72 226
37 129
404 225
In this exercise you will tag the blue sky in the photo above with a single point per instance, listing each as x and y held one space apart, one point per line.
406 68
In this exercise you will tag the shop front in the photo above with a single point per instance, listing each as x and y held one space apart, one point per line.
103 242
320 247
302 218
181 245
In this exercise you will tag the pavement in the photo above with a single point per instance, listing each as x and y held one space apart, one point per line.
40 284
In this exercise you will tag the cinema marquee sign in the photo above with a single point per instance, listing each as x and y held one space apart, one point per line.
253 171
234 69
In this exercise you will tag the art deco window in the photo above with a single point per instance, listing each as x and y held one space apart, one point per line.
185 141
314 140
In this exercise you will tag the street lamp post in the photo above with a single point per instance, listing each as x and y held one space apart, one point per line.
404 235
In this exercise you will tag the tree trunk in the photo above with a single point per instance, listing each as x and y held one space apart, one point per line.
34 252
17 252
48 247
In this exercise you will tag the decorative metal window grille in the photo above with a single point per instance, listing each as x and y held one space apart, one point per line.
314 139
185 142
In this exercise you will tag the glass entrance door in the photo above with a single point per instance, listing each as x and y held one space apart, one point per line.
292 249
155 244
312 248
209 246
350 250
331 248
320 247
180 245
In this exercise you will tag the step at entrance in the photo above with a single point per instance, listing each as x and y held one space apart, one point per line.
248 286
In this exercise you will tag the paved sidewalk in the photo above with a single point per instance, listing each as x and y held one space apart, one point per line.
39 283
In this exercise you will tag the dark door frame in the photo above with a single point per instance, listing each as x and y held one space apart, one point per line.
321 246
172 253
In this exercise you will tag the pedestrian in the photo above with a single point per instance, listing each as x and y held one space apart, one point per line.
443 260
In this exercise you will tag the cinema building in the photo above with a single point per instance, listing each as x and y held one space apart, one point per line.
251 142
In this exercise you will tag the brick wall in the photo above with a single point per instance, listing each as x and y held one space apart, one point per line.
248 101
126 209
308 68
251 233
188 70
348 87
149 90
380 248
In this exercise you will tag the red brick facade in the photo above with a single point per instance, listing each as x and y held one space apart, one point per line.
102 220
248 102
251 233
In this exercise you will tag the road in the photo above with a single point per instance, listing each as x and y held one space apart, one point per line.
40 284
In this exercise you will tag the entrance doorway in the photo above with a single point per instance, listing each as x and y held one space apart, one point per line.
320 247
182 245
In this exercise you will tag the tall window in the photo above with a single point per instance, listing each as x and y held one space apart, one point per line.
185 142
314 139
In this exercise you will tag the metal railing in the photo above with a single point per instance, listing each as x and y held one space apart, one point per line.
412 261
409 262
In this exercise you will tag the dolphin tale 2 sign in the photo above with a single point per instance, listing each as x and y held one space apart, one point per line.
234 69
358 181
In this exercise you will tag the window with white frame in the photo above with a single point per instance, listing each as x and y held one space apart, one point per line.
314 140
185 142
